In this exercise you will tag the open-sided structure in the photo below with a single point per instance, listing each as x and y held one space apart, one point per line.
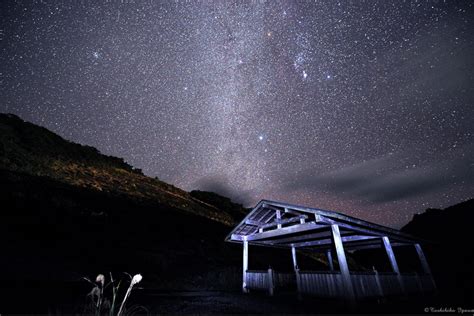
281 225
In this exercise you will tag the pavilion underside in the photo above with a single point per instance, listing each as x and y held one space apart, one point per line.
281 225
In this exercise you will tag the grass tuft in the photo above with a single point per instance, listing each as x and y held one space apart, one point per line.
102 304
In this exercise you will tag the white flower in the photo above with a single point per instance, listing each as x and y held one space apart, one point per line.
136 278
100 279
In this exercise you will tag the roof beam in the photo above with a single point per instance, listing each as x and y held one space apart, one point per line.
323 234
340 216
328 221
298 228
329 241
276 222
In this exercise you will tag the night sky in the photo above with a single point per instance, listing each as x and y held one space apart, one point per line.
362 107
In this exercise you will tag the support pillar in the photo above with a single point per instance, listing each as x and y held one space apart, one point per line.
293 255
424 263
245 266
329 257
297 271
393 260
341 258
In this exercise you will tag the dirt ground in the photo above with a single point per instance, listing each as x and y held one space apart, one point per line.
260 303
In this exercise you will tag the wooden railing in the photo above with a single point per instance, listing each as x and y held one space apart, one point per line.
321 283
257 280
365 284
330 283
268 280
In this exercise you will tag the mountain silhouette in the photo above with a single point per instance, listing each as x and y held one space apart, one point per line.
68 211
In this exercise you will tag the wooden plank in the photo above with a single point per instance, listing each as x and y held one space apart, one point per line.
328 241
290 211
285 231
277 222
253 222
323 234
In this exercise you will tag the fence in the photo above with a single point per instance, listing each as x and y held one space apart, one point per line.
330 283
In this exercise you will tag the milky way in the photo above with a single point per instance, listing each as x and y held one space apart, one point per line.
362 107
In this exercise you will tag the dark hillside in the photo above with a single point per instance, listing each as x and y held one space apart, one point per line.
451 254
34 150
68 211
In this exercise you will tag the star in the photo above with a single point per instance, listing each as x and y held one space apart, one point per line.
186 79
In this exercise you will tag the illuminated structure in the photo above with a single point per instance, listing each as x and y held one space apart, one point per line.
281 225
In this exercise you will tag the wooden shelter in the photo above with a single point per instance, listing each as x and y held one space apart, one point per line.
281 225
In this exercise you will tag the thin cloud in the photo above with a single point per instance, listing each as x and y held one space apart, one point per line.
372 182
221 186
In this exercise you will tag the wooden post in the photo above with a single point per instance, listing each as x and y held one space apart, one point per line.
377 281
293 255
424 263
297 271
393 261
245 266
341 258
278 216
391 254
270 281
329 257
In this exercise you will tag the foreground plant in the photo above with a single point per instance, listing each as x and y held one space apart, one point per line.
136 279
100 302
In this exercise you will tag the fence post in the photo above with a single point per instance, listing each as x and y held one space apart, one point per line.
377 280
298 284
418 282
270 281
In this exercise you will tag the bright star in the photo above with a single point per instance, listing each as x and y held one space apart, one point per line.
260 137
305 75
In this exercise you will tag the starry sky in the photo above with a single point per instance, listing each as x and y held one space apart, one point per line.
362 107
